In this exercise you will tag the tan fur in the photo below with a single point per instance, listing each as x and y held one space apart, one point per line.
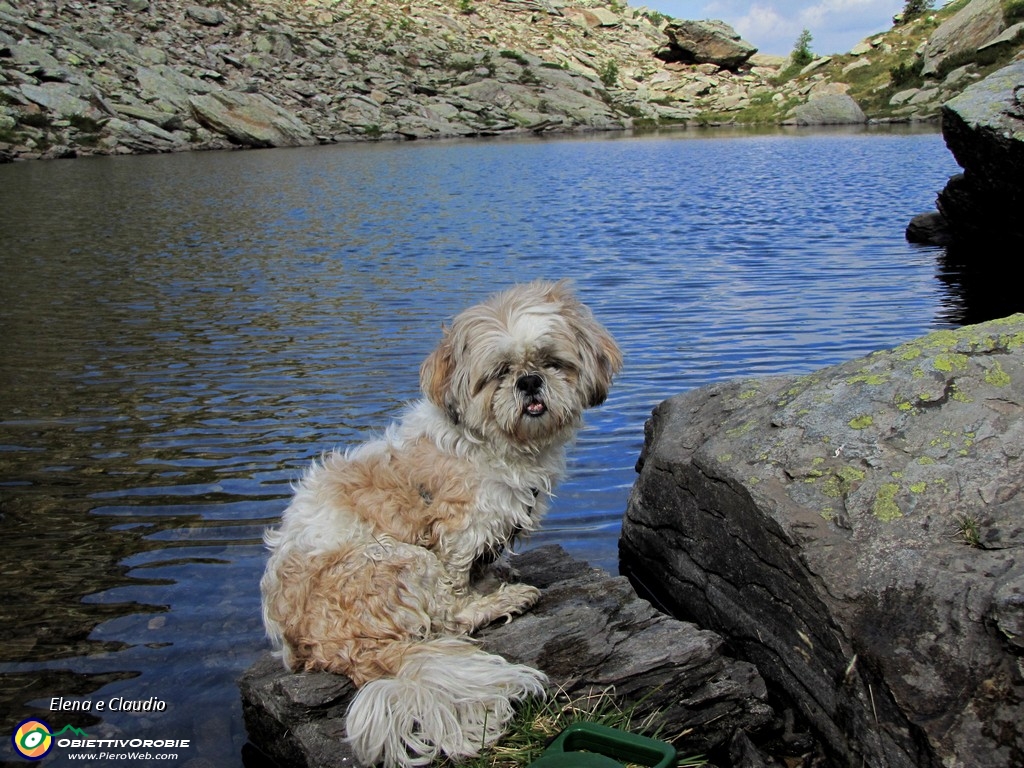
373 571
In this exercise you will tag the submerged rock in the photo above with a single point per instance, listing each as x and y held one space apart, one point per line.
858 533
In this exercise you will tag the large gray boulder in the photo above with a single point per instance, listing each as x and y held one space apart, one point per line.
250 119
827 109
589 632
970 28
63 99
706 42
858 533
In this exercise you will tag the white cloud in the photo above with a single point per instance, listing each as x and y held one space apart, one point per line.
837 15
764 24
774 25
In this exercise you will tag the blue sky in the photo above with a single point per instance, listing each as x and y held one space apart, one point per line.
774 25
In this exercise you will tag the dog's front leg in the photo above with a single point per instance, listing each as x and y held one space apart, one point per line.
508 600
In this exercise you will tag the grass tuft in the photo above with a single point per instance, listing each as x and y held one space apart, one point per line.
968 530
539 721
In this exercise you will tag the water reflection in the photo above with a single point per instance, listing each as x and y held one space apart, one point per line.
976 288
181 335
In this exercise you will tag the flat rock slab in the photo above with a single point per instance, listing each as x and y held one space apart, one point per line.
589 632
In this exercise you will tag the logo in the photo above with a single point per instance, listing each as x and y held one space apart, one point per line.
32 739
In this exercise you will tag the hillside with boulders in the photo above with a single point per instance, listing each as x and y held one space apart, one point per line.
132 76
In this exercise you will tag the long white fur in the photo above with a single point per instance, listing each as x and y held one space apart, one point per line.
450 697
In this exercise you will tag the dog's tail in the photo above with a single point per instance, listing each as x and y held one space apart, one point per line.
448 697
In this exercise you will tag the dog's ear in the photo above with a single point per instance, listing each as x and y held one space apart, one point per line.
605 356
436 374
608 362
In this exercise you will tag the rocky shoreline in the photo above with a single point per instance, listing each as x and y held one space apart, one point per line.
134 76
85 78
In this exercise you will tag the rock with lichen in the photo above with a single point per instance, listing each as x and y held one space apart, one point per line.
858 533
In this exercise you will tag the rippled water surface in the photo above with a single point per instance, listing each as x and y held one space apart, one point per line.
182 334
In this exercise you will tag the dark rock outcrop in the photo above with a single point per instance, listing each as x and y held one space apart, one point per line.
984 129
590 632
706 42
858 533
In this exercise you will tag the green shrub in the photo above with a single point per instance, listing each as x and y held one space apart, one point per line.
514 56
36 119
1013 11
986 58
85 124
906 75
528 77
609 73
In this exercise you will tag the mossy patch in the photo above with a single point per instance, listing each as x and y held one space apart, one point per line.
948 362
861 422
871 379
959 396
842 480
885 507
741 430
996 376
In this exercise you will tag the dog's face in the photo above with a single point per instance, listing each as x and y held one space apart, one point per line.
522 366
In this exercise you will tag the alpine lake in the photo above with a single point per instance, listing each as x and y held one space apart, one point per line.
183 334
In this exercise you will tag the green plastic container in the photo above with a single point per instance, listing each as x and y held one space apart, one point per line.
589 745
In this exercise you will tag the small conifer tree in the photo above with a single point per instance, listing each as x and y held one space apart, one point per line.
914 8
802 54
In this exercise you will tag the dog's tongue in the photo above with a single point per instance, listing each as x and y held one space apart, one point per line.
536 409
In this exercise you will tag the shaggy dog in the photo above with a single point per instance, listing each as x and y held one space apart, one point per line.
375 571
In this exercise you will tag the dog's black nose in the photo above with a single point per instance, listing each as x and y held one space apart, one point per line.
529 384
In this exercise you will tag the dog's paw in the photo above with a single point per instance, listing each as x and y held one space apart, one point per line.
506 602
520 598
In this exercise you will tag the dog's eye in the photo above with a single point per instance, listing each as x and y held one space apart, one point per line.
496 375
555 364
